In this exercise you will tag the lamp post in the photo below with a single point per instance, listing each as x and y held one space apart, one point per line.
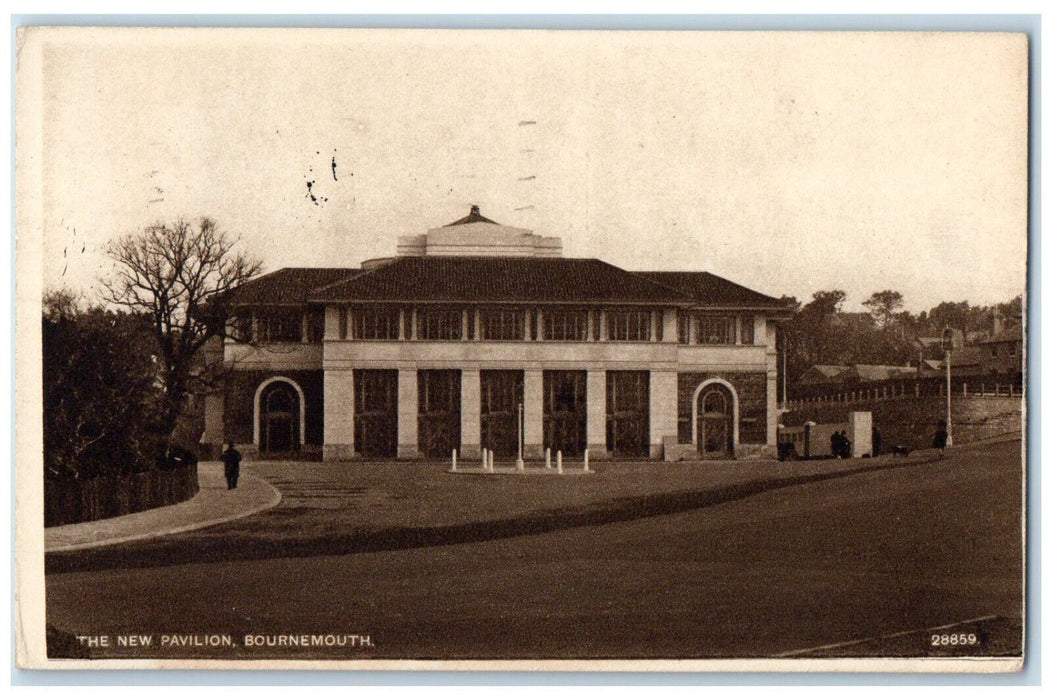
518 462
947 345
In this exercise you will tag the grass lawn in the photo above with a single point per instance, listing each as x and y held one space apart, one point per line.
337 508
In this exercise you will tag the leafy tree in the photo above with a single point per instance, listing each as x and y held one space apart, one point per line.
884 305
100 397
825 303
172 275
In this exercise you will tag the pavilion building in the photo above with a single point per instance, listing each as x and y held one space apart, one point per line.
475 333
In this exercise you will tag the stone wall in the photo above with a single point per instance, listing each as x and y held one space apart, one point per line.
911 421
751 388
240 395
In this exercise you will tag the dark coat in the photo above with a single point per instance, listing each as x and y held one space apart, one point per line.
231 461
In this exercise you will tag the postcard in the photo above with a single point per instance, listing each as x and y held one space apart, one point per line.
521 349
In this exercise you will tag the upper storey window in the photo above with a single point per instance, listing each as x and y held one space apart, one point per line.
502 324
562 324
716 330
630 325
280 326
315 325
441 324
376 324
748 331
707 329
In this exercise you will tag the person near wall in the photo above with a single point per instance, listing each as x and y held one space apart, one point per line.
876 442
231 466
939 441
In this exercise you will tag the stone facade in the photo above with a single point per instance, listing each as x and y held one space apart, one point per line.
477 337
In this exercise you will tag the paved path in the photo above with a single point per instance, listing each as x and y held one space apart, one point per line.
213 504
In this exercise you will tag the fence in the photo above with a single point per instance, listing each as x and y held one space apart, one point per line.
69 501
823 394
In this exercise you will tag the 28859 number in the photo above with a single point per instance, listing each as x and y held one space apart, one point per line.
953 640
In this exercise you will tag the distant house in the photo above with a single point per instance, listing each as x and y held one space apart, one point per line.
1002 353
822 374
875 373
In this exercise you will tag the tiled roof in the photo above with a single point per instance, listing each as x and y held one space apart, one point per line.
828 370
876 373
289 285
504 279
709 290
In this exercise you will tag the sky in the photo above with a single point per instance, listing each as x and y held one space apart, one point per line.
789 162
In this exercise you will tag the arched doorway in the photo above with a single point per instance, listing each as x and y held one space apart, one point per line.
279 418
715 422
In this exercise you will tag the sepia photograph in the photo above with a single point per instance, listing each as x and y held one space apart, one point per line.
501 349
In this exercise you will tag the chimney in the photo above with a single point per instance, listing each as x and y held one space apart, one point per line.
475 210
999 322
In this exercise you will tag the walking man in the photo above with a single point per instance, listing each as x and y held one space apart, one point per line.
231 466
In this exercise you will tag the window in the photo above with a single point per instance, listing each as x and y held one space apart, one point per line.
683 328
564 324
628 325
239 329
716 330
748 330
281 326
502 324
343 323
315 325
375 324
440 324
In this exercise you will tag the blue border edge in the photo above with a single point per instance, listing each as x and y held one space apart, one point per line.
1026 24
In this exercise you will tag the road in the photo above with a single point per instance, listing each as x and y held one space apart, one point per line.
788 571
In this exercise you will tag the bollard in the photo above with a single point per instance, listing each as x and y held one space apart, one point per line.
547 458
491 465
586 459
559 461
454 461
485 463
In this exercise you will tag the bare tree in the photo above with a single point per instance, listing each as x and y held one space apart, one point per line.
176 275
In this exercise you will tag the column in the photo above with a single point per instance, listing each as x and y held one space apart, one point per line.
407 415
603 332
338 397
760 330
670 327
332 322
595 388
664 411
770 333
533 413
470 414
